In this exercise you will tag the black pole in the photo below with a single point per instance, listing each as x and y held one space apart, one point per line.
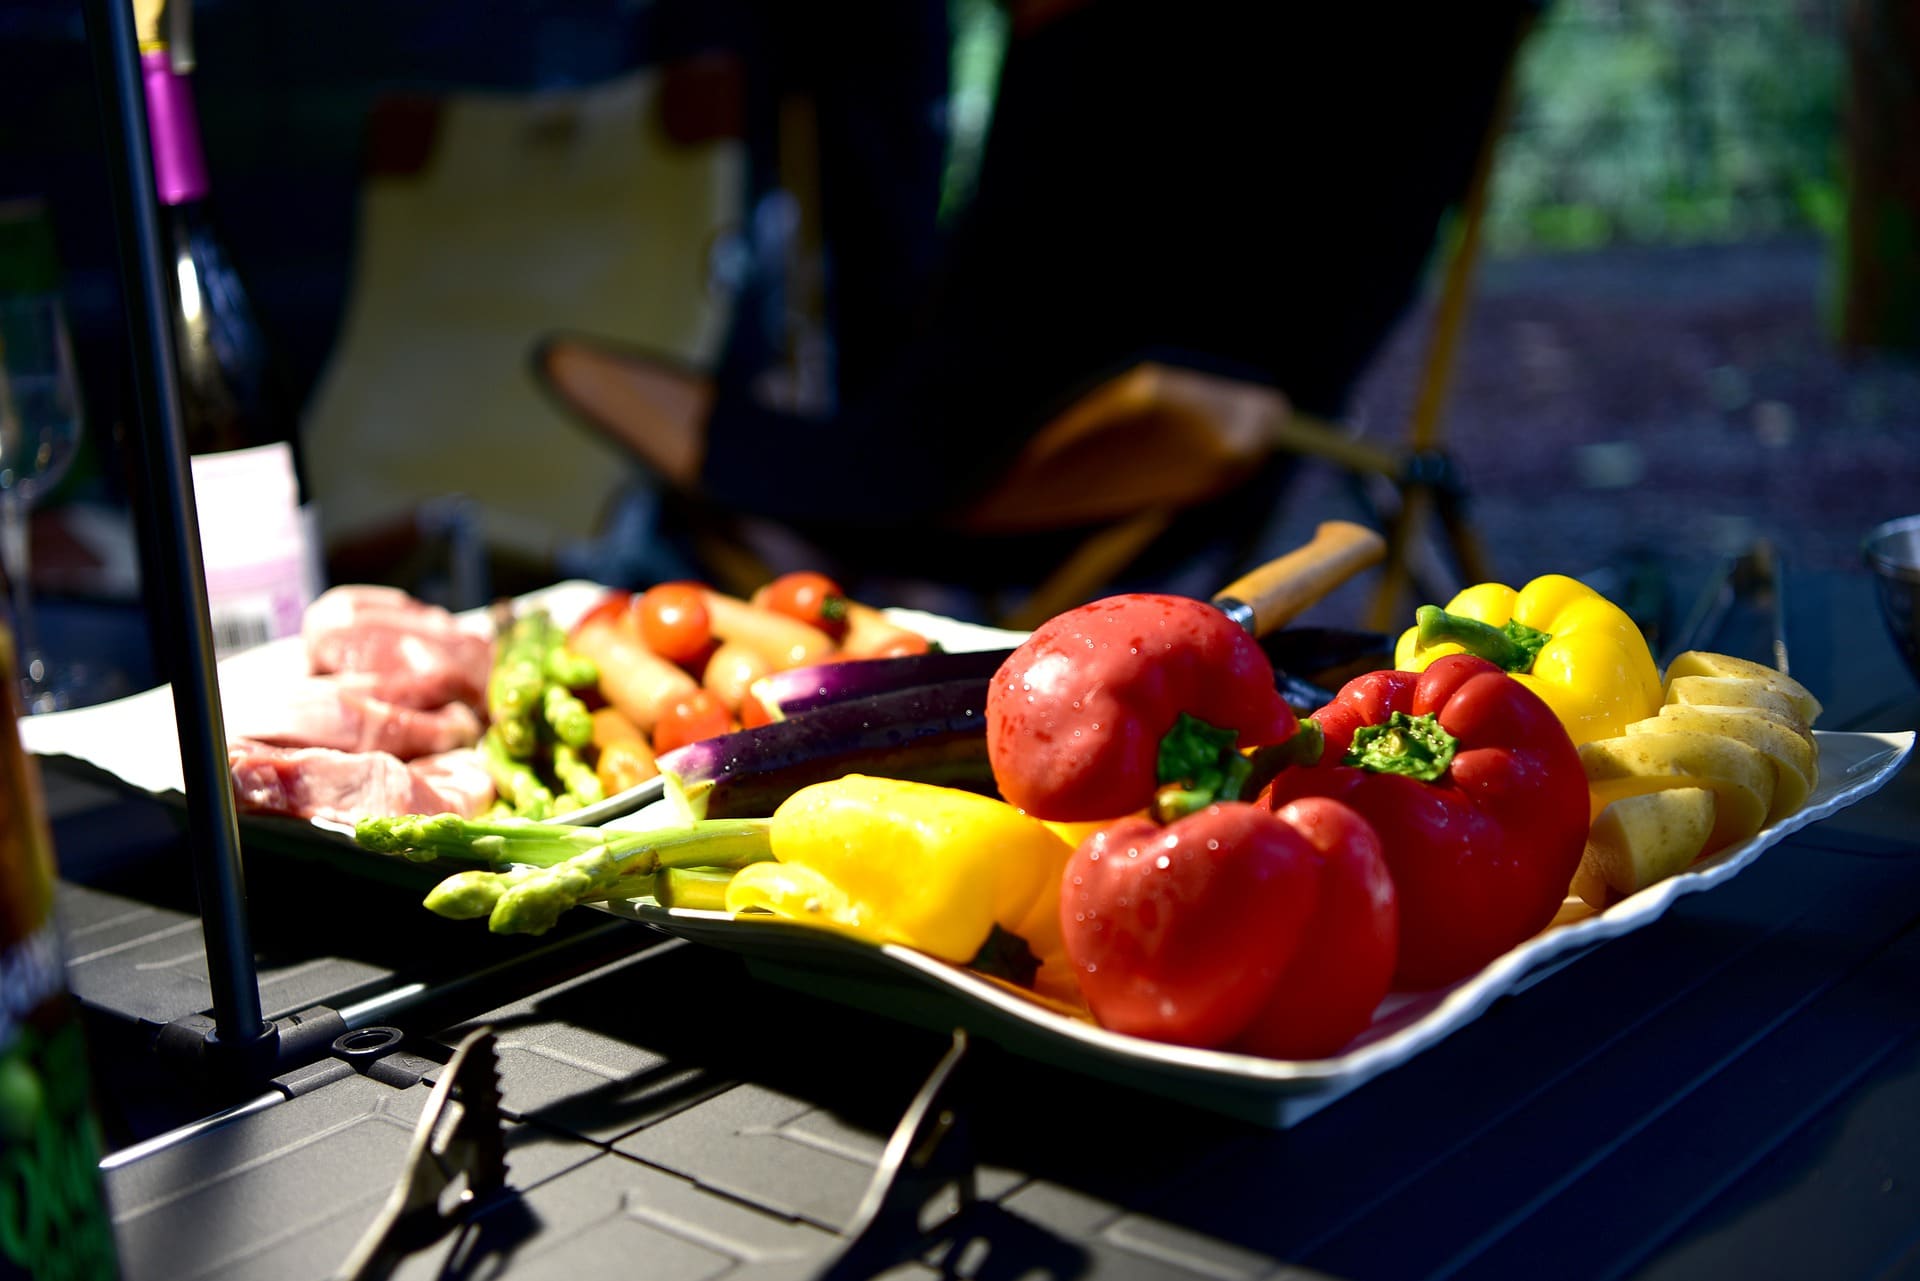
243 1041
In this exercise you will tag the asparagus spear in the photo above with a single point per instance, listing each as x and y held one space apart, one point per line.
498 843
530 899
467 895
564 667
577 777
531 704
566 716
515 685
539 870
514 778
701 888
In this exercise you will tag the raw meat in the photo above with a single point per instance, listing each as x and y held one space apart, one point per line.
319 782
384 725
347 714
420 654
454 782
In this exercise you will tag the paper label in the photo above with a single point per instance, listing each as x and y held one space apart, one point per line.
257 546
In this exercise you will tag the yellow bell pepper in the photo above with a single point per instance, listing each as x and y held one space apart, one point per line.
1573 647
931 868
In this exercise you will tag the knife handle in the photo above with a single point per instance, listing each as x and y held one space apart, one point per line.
1277 592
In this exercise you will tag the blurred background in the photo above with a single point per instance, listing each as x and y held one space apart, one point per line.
1694 323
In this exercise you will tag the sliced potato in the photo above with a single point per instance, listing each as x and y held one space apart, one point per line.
1796 762
1736 691
1700 662
1640 840
1739 776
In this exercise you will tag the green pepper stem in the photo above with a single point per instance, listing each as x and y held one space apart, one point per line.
1196 766
1304 748
1512 648
1415 746
1006 955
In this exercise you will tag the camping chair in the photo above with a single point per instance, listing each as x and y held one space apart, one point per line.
1107 476
1119 466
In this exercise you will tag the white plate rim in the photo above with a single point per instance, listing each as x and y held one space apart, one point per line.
1853 766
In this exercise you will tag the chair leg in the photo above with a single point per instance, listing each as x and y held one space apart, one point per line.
728 565
1437 373
652 407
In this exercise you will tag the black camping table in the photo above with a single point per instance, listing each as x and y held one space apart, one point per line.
1733 1089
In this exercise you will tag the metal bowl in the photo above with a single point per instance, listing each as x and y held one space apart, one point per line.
1892 551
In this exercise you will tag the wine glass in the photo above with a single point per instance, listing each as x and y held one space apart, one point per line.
39 436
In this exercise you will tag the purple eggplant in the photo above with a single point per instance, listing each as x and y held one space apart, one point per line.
802 689
929 734
1308 663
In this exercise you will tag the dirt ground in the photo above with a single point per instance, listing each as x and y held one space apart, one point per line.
1676 402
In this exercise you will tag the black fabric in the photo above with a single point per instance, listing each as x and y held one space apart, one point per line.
1249 189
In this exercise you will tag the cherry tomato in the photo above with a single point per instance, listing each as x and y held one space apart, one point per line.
690 718
611 609
810 597
753 713
674 622
902 646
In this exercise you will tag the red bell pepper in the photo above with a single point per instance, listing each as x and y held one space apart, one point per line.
1345 964
1478 796
1077 714
1233 926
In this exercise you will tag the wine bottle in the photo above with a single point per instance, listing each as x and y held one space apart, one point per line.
257 530
53 1209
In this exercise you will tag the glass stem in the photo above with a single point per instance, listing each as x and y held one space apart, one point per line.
14 562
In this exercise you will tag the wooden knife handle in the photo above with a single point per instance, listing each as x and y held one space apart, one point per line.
1280 590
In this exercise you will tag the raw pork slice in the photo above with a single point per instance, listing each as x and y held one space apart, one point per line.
421 655
451 783
346 713
318 782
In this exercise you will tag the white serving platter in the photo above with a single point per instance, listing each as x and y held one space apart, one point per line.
909 985
133 743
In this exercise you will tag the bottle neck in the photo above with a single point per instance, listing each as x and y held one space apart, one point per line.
179 165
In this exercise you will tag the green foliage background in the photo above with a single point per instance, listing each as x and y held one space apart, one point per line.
1656 122
1643 122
